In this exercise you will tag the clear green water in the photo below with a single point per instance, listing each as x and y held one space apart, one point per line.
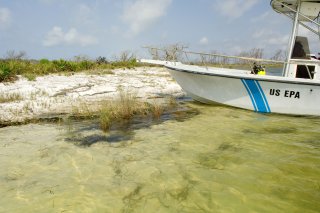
221 160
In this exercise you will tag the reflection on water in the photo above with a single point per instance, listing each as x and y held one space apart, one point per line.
219 159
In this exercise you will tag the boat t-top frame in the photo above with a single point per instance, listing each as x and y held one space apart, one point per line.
301 12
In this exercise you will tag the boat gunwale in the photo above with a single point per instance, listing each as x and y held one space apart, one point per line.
254 77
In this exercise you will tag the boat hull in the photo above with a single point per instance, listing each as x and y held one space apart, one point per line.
257 94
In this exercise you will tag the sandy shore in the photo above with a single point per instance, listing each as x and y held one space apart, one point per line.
53 95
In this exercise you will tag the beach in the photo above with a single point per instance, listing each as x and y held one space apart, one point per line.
56 95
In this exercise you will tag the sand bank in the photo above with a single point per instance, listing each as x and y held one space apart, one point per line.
53 95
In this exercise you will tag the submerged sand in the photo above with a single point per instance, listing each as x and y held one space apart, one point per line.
53 95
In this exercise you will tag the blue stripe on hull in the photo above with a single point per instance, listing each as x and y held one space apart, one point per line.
257 96
263 96
250 94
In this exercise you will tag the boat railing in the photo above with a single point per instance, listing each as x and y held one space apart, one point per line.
179 55
305 61
207 59
224 61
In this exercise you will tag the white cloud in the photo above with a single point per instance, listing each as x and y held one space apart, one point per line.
72 37
85 15
269 37
262 33
264 16
5 17
204 41
234 8
142 13
279 40
85 10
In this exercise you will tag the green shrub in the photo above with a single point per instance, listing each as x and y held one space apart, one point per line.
44 61
44 69
85 65
64 66
125 64
16 67
101 60
5 72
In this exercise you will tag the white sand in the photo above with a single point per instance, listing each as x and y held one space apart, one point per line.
58 94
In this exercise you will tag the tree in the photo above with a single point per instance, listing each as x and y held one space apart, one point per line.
280 55
125 56
13 55
174 52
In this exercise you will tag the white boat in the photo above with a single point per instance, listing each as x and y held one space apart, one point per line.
296 92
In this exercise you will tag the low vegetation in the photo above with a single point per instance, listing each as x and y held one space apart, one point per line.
123 108
126 107
16 64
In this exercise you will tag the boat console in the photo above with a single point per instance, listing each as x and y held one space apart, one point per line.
307 69
301 64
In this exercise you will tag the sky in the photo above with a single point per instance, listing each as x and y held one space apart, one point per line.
55 29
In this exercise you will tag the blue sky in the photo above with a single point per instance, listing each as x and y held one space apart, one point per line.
65 28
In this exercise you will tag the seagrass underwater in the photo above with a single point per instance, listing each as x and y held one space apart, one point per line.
208 159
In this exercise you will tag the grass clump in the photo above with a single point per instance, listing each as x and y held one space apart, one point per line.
12 97
105 119
128 105
157 109
125 108
122 109
30 76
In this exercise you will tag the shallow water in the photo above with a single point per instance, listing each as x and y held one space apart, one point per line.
218 160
